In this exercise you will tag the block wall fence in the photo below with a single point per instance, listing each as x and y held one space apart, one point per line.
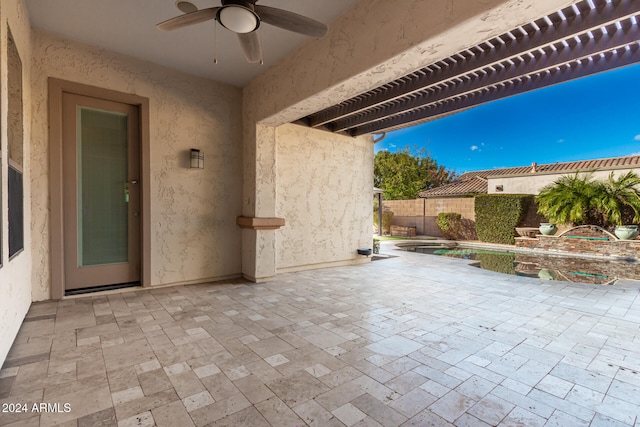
422 214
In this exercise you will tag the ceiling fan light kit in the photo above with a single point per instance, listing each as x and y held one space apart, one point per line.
238 19
243 17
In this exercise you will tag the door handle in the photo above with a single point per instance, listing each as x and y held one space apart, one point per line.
126 189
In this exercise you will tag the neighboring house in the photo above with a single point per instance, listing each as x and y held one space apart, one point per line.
529 179
466 185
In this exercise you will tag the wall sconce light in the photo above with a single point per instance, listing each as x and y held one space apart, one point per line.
197 159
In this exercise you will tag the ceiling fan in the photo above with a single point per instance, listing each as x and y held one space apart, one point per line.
243 17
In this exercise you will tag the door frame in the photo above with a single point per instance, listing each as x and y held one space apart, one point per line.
56 224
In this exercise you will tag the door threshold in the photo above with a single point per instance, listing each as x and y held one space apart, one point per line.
91 290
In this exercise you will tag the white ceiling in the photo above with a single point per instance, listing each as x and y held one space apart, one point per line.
128 27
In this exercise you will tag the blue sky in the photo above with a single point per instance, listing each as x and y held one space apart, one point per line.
593 117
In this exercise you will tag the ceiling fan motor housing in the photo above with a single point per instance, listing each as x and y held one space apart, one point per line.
248 4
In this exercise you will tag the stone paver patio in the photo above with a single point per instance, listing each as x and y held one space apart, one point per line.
414 340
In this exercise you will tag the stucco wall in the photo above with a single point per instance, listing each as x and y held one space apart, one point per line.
324 192
15 274
532 184
193 233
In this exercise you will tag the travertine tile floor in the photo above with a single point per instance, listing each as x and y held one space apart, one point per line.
413 341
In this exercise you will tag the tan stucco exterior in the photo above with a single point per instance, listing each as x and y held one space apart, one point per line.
192 211
15 274
253 164
327 223
533 183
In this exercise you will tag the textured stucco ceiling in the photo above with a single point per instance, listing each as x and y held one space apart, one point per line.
128 27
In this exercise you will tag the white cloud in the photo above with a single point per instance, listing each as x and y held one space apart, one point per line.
473 147
637 138
560 141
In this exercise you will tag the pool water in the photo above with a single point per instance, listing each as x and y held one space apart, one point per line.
548 267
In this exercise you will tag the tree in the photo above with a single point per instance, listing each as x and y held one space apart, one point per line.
619 199
403 175
570 200
579 200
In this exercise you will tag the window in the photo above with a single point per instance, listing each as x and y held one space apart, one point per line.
15 133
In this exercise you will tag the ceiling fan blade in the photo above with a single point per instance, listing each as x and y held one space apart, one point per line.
251 46
291 21
188 19
186 7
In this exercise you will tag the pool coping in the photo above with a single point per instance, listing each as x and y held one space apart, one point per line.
627 283
514 249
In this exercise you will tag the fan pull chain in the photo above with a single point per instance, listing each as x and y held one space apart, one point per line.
215 41
261 44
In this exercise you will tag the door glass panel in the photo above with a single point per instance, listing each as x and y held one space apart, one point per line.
102 187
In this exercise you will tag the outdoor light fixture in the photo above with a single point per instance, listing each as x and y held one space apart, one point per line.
238 19
197 159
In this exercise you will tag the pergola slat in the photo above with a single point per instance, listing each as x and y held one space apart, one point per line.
629 34
537 81
575 32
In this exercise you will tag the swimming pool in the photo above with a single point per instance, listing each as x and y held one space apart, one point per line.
547 266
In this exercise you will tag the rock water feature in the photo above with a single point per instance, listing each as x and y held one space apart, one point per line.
588 246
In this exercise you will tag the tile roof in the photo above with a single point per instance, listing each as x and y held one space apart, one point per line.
473 185
476 182
611 163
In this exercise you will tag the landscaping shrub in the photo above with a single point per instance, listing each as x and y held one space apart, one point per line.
497 216
449 223
581 200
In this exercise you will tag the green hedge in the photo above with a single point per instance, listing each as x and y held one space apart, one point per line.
497 216
502 263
